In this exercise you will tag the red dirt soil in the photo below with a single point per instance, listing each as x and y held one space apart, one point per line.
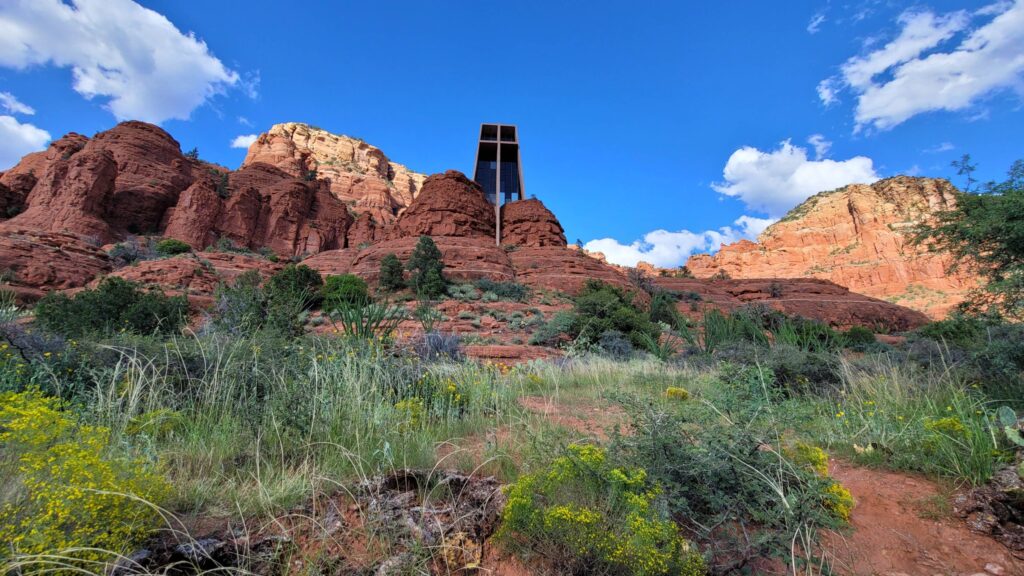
890 537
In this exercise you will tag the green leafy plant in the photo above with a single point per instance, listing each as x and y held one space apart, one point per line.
391 276
344 289
426 269
115 305
172 246
368 320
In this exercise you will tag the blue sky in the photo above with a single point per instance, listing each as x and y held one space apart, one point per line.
652 129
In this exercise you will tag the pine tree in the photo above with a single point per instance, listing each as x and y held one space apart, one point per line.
427 269
391 278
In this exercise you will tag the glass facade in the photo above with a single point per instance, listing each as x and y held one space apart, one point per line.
499 141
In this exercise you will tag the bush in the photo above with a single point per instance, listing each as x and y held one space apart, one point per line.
721 461
859 337
344 289
463 292
663 309
240 308
391 277
434 346
172 246
70 497
615 345
503 290
588 515
426 268
115 305
601 307
554 329
295 282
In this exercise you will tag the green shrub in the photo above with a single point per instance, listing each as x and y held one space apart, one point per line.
554 329
172 246
391 277
465 292
663 309
426 268
115 305
588 515
601 307
70 495
295 282
503 290
859 337
240 308
344 289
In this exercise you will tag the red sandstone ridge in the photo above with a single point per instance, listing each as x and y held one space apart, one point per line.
859 237
358 173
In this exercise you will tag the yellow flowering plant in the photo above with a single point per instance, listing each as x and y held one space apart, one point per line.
587 512
70 495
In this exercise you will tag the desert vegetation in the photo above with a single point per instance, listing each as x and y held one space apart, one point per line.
299 426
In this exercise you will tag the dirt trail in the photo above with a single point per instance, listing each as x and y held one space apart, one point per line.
889 536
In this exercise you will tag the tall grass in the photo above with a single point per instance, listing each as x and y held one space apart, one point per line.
240 429
927 420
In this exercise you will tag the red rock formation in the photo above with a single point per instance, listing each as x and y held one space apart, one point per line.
358 173
562 269
17 183
448 205
36 260
811 298
465 259
858 237
530 223
195 275
365 230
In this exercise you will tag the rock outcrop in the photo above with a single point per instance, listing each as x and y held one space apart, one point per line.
858 236
810 298
35 261
530 223
448 205
358 173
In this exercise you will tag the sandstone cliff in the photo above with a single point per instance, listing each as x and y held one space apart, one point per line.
61 204
858 237
359 174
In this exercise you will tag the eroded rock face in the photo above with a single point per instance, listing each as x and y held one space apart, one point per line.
359 174
530 223
448 205
807 297
858 237
37 260
562 269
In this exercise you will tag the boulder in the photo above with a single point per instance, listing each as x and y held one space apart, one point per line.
529 223
448 205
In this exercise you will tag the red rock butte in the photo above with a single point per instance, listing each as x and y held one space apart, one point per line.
859 236
334 203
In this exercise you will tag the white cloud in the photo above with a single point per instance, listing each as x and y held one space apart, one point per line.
244 121
815 24
827 92
939 148
10 103
821 145
17 139
774 182
116 49
911 75
244 141
668 249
